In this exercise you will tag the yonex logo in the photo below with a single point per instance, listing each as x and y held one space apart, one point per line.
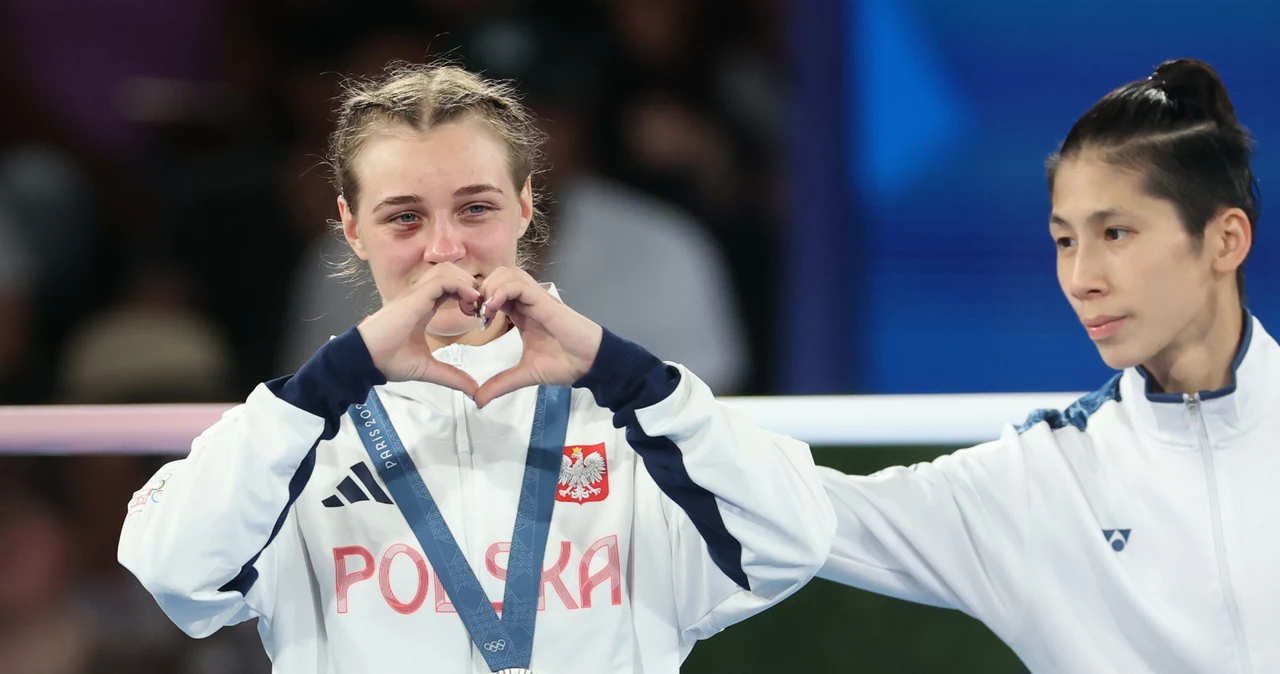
352 492
1118 538
495 646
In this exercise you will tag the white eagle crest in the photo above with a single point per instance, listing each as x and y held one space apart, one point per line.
578 474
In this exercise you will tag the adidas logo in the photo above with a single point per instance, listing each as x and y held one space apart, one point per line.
352 491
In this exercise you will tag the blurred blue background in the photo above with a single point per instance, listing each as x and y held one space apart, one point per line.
948 111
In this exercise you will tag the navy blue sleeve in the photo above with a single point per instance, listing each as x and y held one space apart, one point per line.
339 375
625 378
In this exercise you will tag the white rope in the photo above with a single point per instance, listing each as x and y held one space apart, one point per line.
939 420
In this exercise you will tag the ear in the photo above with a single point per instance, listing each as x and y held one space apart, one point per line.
526 205
1233 238
349 228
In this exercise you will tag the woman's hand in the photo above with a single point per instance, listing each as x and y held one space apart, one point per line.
560 345
396 334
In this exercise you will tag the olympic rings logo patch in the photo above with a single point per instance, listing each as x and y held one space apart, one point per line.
157 490
495 646
149 494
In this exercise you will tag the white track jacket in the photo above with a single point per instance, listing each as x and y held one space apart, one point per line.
1133 532
699 520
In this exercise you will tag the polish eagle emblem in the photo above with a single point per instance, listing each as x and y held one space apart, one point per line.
583 474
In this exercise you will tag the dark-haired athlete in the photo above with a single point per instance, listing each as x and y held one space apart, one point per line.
1139 529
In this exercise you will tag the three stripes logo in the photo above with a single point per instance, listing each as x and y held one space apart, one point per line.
352 491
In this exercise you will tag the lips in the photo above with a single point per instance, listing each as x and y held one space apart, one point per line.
1102 327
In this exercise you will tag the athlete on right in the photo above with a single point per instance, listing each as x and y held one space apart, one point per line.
1136 531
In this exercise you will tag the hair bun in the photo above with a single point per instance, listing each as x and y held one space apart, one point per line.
1196 82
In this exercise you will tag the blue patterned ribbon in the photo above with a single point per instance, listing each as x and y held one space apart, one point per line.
507 642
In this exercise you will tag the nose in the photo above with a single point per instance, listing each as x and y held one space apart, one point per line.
445 242
1087 276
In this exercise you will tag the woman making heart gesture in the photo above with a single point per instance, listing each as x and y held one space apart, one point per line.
476 459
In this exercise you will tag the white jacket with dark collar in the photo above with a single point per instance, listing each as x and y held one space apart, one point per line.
1132 532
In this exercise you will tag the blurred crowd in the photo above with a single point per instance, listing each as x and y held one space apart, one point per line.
165 231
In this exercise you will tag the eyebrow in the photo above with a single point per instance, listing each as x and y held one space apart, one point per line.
478 188
399 200
464 191
1095 218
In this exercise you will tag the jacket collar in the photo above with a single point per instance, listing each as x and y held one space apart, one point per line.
1235 409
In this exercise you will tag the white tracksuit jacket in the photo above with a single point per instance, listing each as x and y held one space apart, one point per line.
700 521
1133 532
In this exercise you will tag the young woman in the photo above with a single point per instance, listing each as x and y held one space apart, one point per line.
475 459
1134 531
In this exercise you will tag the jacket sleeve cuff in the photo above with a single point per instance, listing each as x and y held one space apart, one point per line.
625 377
339 375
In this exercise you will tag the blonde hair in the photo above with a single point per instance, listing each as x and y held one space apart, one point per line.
419 97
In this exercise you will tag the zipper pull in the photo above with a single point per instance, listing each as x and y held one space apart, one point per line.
1193 410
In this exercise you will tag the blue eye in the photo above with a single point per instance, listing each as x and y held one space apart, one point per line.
406 218
477 209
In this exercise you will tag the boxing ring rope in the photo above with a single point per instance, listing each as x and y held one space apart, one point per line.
876 420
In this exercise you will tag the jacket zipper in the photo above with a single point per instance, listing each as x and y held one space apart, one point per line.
466 479
1220 547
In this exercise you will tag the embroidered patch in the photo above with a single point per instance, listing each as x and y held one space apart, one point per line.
584 474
